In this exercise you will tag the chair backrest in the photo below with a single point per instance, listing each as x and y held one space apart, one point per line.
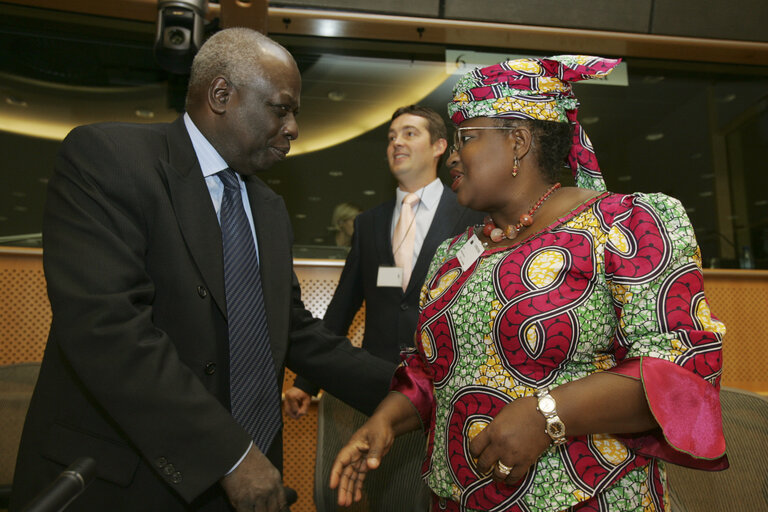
17 382
743 486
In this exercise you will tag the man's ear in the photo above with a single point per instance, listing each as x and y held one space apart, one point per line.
440 146
219 93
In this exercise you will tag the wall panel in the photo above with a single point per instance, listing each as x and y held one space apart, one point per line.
745 20
618 15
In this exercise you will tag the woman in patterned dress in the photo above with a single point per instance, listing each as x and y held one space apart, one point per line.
562 358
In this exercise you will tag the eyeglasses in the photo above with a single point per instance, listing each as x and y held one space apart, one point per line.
458 143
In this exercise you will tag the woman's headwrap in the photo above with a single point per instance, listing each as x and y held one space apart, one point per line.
535 89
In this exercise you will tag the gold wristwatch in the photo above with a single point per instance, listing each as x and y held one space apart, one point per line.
548 407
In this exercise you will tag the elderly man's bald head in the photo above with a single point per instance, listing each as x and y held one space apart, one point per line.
237 54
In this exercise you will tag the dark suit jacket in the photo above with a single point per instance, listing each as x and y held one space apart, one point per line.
135 372
390 313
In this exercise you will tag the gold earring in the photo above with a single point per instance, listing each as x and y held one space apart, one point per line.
515 167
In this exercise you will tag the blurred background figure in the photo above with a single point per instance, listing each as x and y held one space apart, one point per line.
343 223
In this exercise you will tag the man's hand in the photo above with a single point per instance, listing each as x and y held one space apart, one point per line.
296 402
255 485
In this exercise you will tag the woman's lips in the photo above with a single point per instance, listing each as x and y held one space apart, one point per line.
457 177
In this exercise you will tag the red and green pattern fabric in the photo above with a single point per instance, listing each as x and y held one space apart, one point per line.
615 285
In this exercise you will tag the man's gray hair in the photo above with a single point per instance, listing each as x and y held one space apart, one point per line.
233 53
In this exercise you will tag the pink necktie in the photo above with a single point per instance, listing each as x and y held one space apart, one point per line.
402 240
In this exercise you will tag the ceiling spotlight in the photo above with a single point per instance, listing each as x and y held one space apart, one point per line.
590 120
653 137
337 95
369 192
179 33
144 113
15 101
335 174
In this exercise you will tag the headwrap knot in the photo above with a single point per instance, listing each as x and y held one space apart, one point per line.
535 89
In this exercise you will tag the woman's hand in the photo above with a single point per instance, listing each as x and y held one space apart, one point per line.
362 453
516 437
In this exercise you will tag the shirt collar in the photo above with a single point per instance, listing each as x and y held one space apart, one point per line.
429 195
210 159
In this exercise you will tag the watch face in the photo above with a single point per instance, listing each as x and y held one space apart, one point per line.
555 429
547 404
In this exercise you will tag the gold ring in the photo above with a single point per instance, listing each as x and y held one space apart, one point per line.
503 469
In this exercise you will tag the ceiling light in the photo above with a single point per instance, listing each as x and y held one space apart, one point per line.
335 174
300 216
314 199
624 178
328 28
44 181
20 208
144 113
690 209
273 181
337 95
369 192
762 202
706 193
653 137
18 194
318 240
728 98
590 120
15 101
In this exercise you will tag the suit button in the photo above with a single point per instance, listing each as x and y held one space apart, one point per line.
176 478
403 306
210 368
169 469
202 292
161 461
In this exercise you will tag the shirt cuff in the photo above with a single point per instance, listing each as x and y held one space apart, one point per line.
241 459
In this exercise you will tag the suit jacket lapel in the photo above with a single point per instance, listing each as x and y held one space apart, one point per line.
194 210
448 214
383 228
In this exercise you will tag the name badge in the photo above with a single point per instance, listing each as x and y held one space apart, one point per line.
468 254
390 277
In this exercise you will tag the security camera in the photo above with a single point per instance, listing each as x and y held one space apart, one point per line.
179 33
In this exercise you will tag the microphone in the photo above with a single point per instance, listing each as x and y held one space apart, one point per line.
67 486
290 496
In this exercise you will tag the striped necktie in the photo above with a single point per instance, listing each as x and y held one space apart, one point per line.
253 385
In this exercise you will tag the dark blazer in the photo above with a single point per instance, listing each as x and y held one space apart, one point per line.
390 313
135 373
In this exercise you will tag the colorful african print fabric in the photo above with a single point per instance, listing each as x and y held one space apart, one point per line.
535 89
614 285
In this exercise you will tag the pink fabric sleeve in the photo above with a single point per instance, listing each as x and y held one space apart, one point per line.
686 407
413 380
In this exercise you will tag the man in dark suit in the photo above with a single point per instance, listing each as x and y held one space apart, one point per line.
377 272
136 372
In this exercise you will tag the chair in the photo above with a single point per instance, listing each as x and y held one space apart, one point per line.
743 486
16 384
